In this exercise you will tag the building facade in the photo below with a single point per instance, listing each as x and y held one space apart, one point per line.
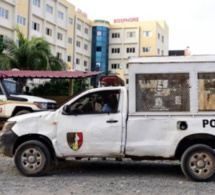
82 43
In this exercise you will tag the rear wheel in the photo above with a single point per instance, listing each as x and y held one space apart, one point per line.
32 158
198 163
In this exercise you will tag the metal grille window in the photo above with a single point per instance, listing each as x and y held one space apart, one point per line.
162 92
206 85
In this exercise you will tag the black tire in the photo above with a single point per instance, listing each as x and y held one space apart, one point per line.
198 163
22 112
32 158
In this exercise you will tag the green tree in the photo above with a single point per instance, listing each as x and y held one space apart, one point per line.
54 87
33 54
2 45
4 60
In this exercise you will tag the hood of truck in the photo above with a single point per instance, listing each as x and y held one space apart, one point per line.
34 98
35 123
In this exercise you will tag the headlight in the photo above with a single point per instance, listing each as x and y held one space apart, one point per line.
41 105
8 126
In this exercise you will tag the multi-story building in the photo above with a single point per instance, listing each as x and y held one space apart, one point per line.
82 43
136 39
7 18
52 19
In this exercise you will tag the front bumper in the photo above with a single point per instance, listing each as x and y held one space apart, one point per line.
7 142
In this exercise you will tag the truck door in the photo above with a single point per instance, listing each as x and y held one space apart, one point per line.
91 125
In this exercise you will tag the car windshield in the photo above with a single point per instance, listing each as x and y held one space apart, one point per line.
12 87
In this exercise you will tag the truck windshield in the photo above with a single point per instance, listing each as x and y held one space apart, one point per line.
12 87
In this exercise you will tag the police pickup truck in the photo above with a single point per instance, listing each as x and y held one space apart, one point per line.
167 112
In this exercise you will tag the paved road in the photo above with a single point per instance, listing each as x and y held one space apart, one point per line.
103 178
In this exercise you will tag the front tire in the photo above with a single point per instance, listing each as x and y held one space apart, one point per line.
32 158
198 163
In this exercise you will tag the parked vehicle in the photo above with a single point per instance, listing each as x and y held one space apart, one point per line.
167 113
14 102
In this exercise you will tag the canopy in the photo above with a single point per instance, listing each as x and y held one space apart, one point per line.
46 74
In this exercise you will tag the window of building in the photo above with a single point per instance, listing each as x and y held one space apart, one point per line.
127 81
115 35
162 52
4 13
59 36
71 21
60 15
85 63
17 42
86 31
78 26
99 48
159 36
115 66
162 39
77 61
70 40
69 58
78 43
85 46
59 55
21 20
49 31
115 50
35 26
146 49
147 33
49 9
36 3
99 33
130 34
130 50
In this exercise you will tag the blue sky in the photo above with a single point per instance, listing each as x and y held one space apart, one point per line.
191 22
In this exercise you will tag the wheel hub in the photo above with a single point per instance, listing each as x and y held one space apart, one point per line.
31 159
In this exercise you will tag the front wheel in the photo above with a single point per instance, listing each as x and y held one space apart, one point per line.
32 158
198 163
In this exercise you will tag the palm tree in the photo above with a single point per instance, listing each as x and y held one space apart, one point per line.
34 54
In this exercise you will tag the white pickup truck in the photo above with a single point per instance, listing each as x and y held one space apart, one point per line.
168 112
14 102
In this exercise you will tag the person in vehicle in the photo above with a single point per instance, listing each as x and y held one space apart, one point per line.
110 103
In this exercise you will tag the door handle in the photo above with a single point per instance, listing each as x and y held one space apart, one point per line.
112 121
